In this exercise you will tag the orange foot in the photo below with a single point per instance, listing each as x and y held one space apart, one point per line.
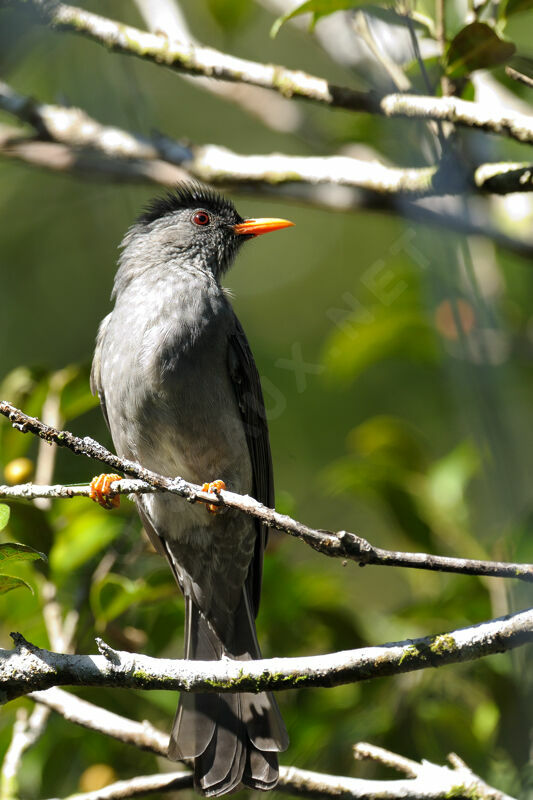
100 491
215 487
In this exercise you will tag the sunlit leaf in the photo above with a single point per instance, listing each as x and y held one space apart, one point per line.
392 17
318 8
4 515
87 534
7 583
356 347
114 594
485 719
449 477
515 7
477 46
75 393
13 551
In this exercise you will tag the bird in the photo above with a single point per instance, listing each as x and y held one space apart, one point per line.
181 395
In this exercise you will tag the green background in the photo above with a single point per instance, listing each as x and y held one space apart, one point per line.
398 429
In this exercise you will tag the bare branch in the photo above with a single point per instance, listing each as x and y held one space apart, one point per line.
74 142
140 734
28 668
431 781
436 783
198 60
26 731
519 76
275 112
72 126
341 544
363 751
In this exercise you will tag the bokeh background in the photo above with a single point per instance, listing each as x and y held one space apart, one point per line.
387 417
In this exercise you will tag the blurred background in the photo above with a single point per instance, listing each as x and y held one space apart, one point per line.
396 366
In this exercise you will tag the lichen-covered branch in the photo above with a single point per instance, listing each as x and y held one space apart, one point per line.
69 140
28 668
215 164
197 60
430 780
341 544
273 110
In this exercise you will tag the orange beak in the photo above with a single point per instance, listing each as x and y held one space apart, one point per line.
255 227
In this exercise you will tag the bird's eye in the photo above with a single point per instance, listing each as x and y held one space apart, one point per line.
201 218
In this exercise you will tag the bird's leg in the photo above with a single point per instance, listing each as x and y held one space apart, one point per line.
101 492
215 487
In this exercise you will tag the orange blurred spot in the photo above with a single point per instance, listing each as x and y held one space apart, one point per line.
445 318
96 777
19 470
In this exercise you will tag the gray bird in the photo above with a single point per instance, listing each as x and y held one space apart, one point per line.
181 395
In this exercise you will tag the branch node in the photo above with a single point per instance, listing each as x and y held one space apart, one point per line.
111 655
354 545
21 643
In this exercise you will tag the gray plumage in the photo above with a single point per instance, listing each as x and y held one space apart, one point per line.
181 395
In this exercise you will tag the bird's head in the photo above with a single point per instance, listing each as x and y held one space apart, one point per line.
195 226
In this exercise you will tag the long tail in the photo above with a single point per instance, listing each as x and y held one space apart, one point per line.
232 738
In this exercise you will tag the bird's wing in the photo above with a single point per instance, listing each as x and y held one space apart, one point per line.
95 382
247 386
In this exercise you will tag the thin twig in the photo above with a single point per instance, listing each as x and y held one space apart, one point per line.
341 544
28 668
441 782
519 76
197 60
215 164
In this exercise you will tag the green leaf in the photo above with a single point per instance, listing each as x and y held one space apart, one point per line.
353 349
7 582
74 387
318 8
13 551
87 534
515 7
394 17
115 594
476 47
4 515
230 14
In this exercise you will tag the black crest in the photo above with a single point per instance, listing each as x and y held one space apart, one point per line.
188 195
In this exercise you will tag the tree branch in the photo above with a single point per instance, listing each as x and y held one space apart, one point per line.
71 141
215 164
198 60
519 76
430 780
341 544
275 112
28 668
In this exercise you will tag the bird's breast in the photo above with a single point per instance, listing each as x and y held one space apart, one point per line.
171 403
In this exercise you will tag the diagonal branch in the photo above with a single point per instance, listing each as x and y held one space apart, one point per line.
430 780
197 60
341 544
28 668
69 140
215 164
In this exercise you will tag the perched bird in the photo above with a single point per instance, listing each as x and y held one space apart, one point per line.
181 395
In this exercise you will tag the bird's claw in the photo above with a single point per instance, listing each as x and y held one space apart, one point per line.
101 493
214 487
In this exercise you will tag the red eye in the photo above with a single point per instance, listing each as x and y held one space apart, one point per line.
201 218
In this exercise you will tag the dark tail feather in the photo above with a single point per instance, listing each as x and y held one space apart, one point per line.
233 738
